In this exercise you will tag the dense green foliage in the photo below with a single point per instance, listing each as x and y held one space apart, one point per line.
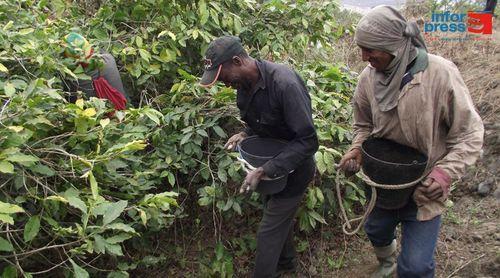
81 190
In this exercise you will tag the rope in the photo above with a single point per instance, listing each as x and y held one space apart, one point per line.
247 167
371 204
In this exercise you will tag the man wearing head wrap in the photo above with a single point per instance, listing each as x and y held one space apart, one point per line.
420 100
105 81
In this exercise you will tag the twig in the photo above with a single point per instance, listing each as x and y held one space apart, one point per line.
42 249
50 269
464 265
22 65
3 108
14 253
11 231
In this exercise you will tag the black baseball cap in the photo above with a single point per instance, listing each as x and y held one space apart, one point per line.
219 51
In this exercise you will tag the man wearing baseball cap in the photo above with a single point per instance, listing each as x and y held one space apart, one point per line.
274 103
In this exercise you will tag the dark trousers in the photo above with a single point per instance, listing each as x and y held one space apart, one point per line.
275 236
418 241
490 6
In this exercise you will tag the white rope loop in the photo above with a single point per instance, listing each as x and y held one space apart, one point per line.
371 204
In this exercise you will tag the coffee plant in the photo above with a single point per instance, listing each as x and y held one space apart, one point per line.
84 190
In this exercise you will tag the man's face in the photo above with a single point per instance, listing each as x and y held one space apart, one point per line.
378 59
232 74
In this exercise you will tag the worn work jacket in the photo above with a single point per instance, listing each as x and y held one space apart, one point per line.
435 115
279 106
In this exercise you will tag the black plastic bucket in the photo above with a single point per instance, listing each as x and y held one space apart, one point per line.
388 162
257 151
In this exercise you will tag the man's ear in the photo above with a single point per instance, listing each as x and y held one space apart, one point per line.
237 60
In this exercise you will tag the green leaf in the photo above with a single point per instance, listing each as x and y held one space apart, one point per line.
114 249
118 274
329 162
10 208
171 178
150 113
144 217
3 68
31 228
89 112
57 198
221 173
93 186
237 207
80 102
203 12
131 146
99 244
237 25
101 208
144 54
6 218
167 55
5 245
316 216
121 227
114 211
138 41
6 167
186 138
118 238
228 205
9 89
319 195
219 131
68 71
320 163
26 31
79 272
42 169
202 132
204 201
22 158
104 122
9 272
76 202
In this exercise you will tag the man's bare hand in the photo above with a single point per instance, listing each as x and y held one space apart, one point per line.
252 180
235 140
350 162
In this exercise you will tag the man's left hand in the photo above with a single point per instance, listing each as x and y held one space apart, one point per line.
252 180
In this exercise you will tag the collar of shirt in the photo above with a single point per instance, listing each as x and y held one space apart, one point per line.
261 83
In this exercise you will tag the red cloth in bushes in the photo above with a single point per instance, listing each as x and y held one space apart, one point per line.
104 90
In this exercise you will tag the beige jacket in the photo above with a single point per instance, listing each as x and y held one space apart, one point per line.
435 114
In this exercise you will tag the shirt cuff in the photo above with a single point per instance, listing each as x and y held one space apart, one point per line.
248 131
353 147
271 170
441 177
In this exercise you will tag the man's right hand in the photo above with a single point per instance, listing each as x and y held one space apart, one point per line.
235 140
350 162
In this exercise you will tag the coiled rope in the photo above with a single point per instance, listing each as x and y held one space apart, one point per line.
348 222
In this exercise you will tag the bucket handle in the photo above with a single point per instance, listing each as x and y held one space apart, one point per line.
249 168
246 166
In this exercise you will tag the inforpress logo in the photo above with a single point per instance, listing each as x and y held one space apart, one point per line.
480 23
456 25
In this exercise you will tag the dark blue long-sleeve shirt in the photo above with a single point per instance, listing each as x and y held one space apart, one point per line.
279 107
